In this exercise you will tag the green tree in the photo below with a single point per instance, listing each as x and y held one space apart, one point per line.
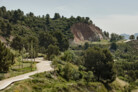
52 50
63 43
106 34
113 46
32 40
116 37
56 16
6 58
86 45
70 72
70 56
18 15
2 11
132 37
88 76
137 37
47 19
126 50
17 43
45 39
100 61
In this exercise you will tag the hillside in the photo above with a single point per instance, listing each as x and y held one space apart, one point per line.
16 23
82 32
106 65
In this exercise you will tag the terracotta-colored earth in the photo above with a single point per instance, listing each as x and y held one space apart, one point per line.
88 32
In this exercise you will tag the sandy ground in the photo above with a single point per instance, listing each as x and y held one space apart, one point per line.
42 66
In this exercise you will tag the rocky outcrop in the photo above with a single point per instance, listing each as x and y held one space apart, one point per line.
82 32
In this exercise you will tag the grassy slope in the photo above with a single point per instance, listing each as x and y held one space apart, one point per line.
46 82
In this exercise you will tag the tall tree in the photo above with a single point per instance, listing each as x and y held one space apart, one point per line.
113 46
56 16
100 61
115 37
17 43
52 50
132 37
63 43
47 19
6 58
46 39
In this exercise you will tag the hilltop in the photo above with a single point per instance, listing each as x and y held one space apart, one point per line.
16 23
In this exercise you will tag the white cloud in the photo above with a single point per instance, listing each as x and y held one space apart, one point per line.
118 23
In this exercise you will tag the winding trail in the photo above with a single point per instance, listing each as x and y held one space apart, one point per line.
42 66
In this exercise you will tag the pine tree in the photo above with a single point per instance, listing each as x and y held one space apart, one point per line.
100 61
132 37
6 58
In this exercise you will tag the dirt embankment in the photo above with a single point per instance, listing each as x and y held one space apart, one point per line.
82 32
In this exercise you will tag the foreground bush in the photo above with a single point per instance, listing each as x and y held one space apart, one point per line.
100 61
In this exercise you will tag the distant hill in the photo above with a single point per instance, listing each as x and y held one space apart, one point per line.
127 35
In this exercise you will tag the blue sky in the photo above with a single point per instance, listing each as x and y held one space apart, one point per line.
119 16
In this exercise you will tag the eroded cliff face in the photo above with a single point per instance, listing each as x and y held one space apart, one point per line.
82 32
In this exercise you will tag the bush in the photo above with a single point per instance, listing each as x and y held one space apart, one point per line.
100 61
69 72
89 76
6 58
113 46
71 57
51 51
82 68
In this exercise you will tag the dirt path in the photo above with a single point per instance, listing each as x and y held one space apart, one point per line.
42 66
127 41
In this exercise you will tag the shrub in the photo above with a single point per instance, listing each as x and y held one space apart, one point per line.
71 57
89 76
69 72
51 51
100 61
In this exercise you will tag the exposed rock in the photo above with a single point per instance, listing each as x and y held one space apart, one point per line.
2 39
82 32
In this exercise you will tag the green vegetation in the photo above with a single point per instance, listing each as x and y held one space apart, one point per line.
132 37
51 51
91 66
113 46
116 37
106 34
6 58
100 61
18 68
47 82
